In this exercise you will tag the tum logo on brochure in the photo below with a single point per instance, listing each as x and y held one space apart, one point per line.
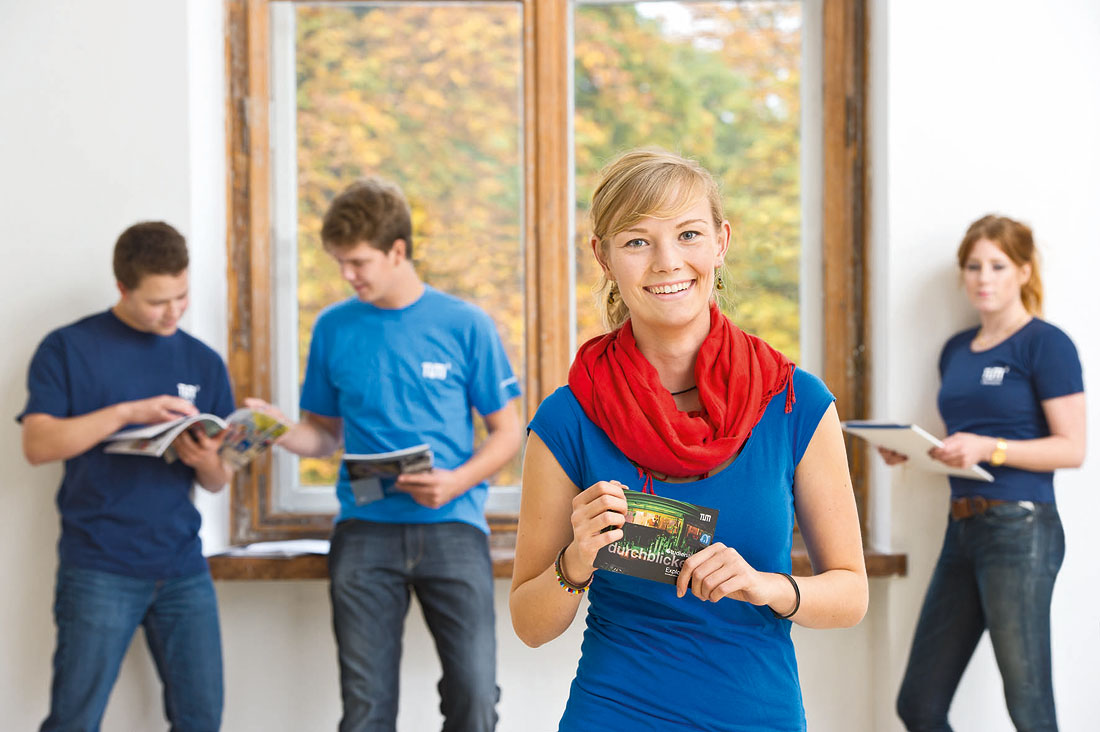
993 375
432 370
188 391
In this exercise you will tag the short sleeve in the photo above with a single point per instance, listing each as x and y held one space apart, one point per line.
48 384
952 346
812 399
492 382
1056 367
223 402
557 422
318 393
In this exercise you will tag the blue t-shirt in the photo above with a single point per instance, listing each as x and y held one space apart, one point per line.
402 377
126 514
652 661
999 393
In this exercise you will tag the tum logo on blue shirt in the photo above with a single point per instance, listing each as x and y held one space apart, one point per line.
432 370
993 375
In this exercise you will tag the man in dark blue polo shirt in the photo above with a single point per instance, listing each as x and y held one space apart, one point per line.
129 551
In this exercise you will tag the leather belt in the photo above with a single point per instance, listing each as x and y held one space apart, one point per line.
969 506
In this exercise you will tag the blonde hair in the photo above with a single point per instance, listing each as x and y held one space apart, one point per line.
1015 240
644 183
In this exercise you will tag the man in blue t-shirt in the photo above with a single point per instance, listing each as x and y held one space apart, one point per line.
400 365
129 550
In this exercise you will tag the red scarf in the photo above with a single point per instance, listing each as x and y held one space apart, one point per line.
737 375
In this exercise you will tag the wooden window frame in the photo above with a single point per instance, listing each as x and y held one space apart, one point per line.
253 514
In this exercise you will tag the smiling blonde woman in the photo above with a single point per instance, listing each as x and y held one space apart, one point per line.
675 400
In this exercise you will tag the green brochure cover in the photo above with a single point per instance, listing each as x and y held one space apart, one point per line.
659 534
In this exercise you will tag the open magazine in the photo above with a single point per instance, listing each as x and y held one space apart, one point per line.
372 476
659 534
914 442
250 433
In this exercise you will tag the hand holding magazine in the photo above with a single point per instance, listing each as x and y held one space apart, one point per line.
250 433
372 475
913 442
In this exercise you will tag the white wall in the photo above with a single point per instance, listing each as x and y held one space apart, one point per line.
110 112
982 106
93 136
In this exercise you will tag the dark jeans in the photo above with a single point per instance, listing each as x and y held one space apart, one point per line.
996 571
373 567
97 614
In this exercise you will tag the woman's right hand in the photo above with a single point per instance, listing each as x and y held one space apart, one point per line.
595 509
892 457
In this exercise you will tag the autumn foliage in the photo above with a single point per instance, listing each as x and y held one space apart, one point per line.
430 96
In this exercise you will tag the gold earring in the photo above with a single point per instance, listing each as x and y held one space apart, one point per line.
612 293
719 284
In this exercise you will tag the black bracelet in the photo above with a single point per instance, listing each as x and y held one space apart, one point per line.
797 598
568 585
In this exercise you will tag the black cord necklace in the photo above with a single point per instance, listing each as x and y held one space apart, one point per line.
683 391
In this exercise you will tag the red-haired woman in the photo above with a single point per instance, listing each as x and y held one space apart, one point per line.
1012 398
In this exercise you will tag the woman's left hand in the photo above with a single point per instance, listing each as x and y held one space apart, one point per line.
720 571
963 449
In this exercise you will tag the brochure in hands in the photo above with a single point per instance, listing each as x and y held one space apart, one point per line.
659 534
372 476
250 433
914 442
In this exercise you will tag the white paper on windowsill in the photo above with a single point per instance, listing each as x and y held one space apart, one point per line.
288 548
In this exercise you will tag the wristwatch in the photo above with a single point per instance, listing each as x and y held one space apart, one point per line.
1000 452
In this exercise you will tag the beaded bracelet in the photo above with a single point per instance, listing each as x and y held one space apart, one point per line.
797 598
565 583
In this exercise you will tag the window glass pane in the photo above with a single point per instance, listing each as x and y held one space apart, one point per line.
718 82
429 96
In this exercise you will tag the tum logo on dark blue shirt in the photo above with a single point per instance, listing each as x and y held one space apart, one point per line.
188 391
993 375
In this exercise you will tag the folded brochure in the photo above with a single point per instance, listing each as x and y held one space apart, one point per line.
250 433
659 534
372 475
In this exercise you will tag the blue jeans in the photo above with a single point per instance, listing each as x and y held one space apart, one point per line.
996 571
373 567
97 614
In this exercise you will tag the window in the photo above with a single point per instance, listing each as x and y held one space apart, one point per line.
494 116
435 108
723 83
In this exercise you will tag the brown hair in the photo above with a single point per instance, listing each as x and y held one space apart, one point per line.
1015 240
148 248
637 184
372 210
